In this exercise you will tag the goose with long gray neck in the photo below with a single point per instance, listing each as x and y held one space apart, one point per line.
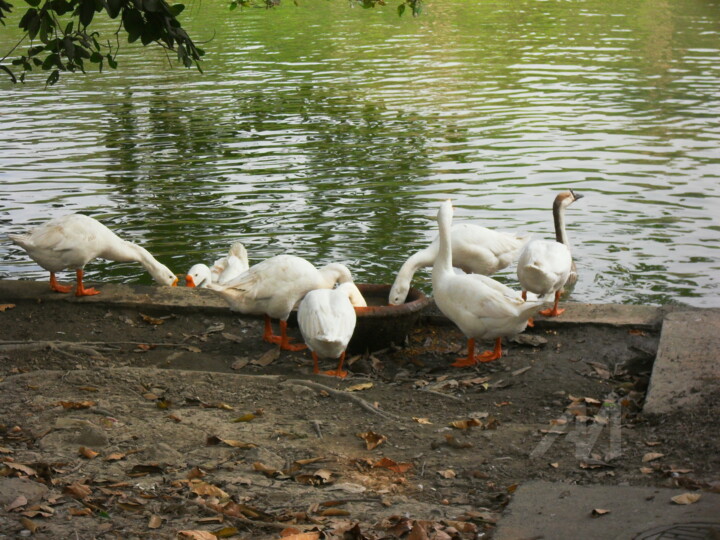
480 306
274 286
73 240
544 266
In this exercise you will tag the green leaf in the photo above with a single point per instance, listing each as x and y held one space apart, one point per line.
69 47
33 3
176 9
96 57
10 73
53 78
113 8
233 6
49 61
133 23
87 12
69 28
111 61
153 6
401 9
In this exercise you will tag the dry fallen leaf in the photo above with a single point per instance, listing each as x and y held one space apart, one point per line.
302 536
686 498
29 524
88 452
245 418
197 535
358 387
155 522
78 491
466 424
151 320
597 512
214 440
76 404
226 532
79 512
388 463
203 488
651 456
5 307
21 468
447 473
20 501
425 421
267 358
372 439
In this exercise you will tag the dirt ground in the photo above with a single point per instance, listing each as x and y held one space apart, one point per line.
121 424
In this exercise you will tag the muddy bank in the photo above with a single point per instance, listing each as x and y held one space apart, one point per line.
141 418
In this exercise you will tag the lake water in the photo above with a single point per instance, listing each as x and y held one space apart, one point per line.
333 133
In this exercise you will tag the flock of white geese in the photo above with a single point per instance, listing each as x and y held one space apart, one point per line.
461 256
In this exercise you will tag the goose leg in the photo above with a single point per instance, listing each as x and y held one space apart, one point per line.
468 360
554 312
489 356
268 333
530 322
285 340
316 367
55 286
80 290
339 372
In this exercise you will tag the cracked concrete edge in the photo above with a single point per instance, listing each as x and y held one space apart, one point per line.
184 298
541 509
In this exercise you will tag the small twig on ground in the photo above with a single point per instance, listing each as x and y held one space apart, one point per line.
246 521
344 395
316 425
436 393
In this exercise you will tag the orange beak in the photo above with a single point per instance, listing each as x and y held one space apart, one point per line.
175 282
189 282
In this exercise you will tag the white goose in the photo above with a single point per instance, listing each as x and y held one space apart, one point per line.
544 267
274 286
327 321
480 306
73 240
223 270
475 250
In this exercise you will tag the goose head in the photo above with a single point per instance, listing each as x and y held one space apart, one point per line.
398 292
163 275
198 276
565 199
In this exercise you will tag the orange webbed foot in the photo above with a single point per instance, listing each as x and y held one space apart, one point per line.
464 362
287 346
61 288
55 286
86 292
488 356
552 312
337 373
531 322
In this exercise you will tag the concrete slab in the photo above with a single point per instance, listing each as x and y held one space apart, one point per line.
117 294
616 315
563 511
687 367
